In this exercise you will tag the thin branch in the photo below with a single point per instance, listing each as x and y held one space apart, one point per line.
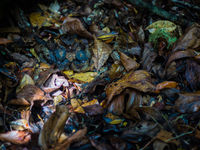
160 12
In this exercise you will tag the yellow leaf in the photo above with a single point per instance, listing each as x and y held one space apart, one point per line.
79 110
75 103
125 124
111 116
11 64
38 20
25 81
92 102
106 29
168 26
116 121
83 77
34 54
44 66
57 99
68 72
103 103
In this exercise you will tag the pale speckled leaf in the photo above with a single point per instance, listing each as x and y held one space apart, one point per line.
161 24
101 53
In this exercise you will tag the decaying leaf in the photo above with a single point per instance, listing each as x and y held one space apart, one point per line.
57 99
115 71
25 81
31 93
93 110
16 137
162 24
39 20
81 77
75 103
128 63
53 128
166 136
188 102
180 55
74 26
54 82
125 103
139 80
44 75
190 40
80 109
101 53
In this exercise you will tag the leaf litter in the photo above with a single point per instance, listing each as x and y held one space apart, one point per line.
100 75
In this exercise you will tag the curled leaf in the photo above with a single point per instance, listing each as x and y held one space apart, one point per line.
31 93
74 26
166 84
53 128
179 55
78 136
190 40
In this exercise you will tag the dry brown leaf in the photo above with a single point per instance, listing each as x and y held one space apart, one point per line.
30 93
74 26
53 128
180 55
139 80
16 137
125 103
19 101
166 136
101 53
129 63
190 40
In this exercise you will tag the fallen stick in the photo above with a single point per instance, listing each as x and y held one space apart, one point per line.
160 12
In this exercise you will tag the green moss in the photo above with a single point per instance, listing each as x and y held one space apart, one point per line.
161 33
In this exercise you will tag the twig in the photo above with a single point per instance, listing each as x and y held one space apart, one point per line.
178 136
160 12
148 143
